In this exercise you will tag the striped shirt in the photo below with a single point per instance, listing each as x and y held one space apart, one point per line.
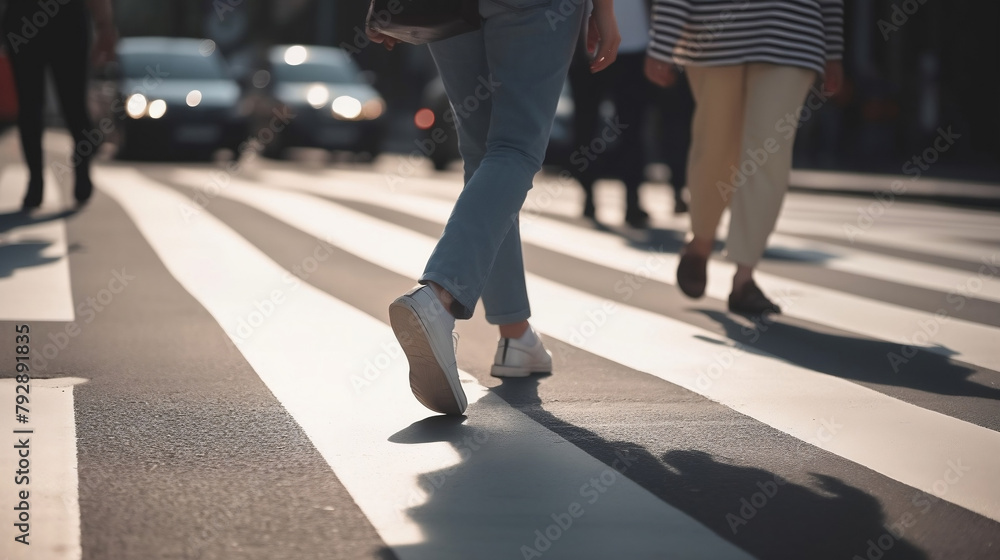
803 33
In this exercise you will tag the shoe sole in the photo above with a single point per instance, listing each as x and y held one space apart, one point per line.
430 382
509 371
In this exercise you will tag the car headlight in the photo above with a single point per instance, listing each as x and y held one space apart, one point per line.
317 96
136 105
346 107
157 108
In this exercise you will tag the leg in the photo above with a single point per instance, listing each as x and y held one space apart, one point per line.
773 93
631 96
504 296
677 108
587 89
69 60
458 59
28 64
454 57
716 132
524 89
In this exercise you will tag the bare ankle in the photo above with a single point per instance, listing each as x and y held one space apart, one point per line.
700 246
514 330
443 295
744 274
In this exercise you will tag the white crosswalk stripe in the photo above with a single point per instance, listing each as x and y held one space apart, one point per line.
42 485
40 264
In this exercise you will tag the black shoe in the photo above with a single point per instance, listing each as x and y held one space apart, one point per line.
33 199
751 301
83 188
638 219
692 274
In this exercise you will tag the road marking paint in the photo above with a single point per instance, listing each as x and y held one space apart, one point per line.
309 348
34 267
52 481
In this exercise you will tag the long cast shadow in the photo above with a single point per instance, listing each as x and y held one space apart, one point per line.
11 220
753 508
849 357
25 253
858 359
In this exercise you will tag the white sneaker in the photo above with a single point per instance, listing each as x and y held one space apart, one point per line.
424 330
517 358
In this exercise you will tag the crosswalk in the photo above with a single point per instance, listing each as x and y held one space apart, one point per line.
862 423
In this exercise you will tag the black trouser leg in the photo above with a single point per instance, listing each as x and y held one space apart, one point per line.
69 70
588 92
28 63
631 97
677 108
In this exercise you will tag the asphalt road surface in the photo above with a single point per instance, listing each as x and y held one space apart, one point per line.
212 376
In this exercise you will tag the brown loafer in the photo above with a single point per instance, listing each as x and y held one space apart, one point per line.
751 301
692 274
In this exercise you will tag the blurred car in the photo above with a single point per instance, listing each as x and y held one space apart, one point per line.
439 140
175 97
327 100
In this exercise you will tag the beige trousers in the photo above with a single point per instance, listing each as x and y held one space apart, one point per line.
742 134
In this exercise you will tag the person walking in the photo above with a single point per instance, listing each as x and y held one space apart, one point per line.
511 71
622 84
675 110
56 37
750 65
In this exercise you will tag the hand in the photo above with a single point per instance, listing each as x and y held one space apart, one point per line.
104 46
833 78
603 37
659 72
385 40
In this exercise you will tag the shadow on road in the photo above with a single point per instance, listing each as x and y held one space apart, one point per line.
857 359
753 508
25 253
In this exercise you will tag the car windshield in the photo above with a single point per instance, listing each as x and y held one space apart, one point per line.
316 72
171 66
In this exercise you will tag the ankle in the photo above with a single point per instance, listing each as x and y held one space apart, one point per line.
700 246
444 297
514 330
743 276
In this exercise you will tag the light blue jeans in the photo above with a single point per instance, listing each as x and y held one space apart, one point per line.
503 82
